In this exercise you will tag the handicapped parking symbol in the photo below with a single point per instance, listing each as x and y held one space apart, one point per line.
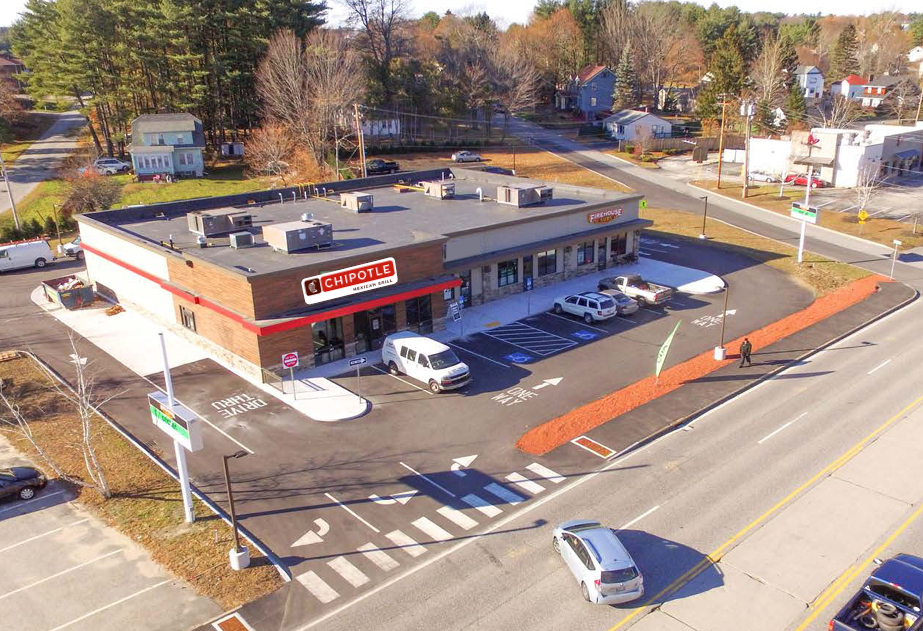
584 335
519 358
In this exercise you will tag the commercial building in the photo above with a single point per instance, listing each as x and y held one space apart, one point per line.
329 270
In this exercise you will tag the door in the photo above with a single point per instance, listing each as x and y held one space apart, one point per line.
464 289
571 551
601 255
6 262
527 272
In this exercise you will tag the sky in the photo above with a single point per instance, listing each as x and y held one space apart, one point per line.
511 11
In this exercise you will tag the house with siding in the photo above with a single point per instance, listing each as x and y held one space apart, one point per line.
590 92
811 81
631 124
164 144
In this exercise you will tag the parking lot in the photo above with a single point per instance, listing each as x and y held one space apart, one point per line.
60 568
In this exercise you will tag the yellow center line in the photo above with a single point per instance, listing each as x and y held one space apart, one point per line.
715 556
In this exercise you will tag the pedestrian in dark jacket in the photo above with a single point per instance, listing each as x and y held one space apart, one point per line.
745 349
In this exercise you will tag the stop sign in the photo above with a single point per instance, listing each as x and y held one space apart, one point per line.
290 360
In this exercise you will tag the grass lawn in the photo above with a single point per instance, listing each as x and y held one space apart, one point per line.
219 180
624 155
146 504
875 229
25 134
37 204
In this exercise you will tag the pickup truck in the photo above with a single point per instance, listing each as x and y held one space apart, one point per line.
890 600
378 166
641 290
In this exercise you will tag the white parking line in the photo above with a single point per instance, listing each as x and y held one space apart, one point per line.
353 575
316 585
881 365
34 499
61 573
412 385
44 534
768 436
350 511
405 543
437 485
638 518
431 530
378 557
581 323
457 517
467 350
110 605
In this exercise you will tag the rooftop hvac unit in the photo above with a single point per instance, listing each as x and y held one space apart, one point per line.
298 235
357 202
209 223
439 190
307 216
520 197
241 239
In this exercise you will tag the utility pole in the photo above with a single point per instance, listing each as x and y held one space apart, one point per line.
704 216
57 225
746 109
721 137
361 139
9 188
919 104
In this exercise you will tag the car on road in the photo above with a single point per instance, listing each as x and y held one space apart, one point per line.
645 292
425 360
466 156
21 482
801 179
108 166
17 255
625 305
590 305
762 176
890 600
377 166
606 573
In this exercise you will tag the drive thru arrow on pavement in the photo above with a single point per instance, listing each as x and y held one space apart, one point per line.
548 382
462 462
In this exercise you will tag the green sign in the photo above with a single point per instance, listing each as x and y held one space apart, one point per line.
168 424
177 421
642 204
664 349
804 213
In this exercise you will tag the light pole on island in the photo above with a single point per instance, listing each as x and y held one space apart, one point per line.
240 556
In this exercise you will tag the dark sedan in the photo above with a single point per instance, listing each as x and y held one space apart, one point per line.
21 482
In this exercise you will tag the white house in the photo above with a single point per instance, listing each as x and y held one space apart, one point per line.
875 90
851 87
811 81
915 57
630 124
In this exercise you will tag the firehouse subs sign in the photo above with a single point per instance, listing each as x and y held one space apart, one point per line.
351 280
604 216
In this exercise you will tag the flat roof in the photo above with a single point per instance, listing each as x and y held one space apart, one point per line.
399 219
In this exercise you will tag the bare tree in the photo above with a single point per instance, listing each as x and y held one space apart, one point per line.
281 82
868 180
270 150
644 141
617 28
655 35
901 99
382 24
88 191
768 74
515 82
838 113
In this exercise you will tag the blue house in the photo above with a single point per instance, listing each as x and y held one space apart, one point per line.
167 144
590 92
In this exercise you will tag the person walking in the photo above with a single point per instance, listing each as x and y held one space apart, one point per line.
745 348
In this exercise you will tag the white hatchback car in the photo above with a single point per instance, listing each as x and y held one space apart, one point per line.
590 305
602 566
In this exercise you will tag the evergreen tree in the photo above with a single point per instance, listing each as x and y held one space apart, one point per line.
728 68
795 108
707 106
845 61
623 94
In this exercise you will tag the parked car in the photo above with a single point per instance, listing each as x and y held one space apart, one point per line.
801 179
108 166
466 156
21 482
377 166
890 600
602 566
426 360
624 304
73 249
634 286
499 170
762 176
590 305
35 253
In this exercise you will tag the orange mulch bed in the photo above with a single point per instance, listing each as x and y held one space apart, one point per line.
554 433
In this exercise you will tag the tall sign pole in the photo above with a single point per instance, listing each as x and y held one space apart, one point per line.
721 137
807 194
178 449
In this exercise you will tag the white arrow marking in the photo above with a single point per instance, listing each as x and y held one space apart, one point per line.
381 500
404 497
548 382
76 359
465 461
313 537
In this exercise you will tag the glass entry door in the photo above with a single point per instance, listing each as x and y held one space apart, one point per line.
527 272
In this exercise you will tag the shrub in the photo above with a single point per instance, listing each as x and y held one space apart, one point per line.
49 227
646 157
629 149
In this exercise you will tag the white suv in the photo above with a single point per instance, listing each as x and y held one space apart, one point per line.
590 305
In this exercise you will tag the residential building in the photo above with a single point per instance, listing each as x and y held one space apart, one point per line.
850 87
631 124
590 92
681 96
811 81
875 90
247 275
915 57
164 144
10 69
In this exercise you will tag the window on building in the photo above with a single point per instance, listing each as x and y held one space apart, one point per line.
507 273
185 158
187 316
618 245
420 314
547 262
621 129
328 341
586 253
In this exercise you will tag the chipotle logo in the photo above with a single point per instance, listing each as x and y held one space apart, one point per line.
351 280
604 216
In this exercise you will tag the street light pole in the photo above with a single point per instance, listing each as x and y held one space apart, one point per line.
894 258
9 188
720 351
721 138
240 557
747 109
704 217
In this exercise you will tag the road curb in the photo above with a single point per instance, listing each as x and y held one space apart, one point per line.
690 418
147 451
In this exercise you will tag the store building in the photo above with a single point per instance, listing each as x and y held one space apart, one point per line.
330 270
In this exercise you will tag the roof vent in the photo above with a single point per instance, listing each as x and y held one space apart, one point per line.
520 197
298 235
241 239
307 216
439 190
357 202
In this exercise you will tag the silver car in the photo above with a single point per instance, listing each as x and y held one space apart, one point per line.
466 156
602 566
625 305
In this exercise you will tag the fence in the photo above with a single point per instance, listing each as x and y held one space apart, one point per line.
686 144
273 378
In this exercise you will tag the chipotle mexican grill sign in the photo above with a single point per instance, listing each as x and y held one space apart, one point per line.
352 280
604 216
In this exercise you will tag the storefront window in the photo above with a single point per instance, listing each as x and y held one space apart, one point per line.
372 326
465 289
328 341
618 245
586 253
420 314
507 273
547 262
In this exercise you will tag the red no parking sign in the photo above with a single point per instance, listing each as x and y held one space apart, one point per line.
290 360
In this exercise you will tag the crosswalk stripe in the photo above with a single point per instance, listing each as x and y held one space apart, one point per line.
504 493
316 585
458 517
405 543
350 572
545 472
379 558
525 483
481 504
431 529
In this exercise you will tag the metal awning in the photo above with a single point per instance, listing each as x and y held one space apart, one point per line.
813 161
907 154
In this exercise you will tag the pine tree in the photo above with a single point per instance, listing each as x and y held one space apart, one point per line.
795 108
623 95
728 68
845 61
706 103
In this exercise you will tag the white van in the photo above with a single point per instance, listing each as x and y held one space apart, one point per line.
426 360
24 254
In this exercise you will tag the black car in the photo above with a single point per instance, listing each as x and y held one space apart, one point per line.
378 166
21 481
